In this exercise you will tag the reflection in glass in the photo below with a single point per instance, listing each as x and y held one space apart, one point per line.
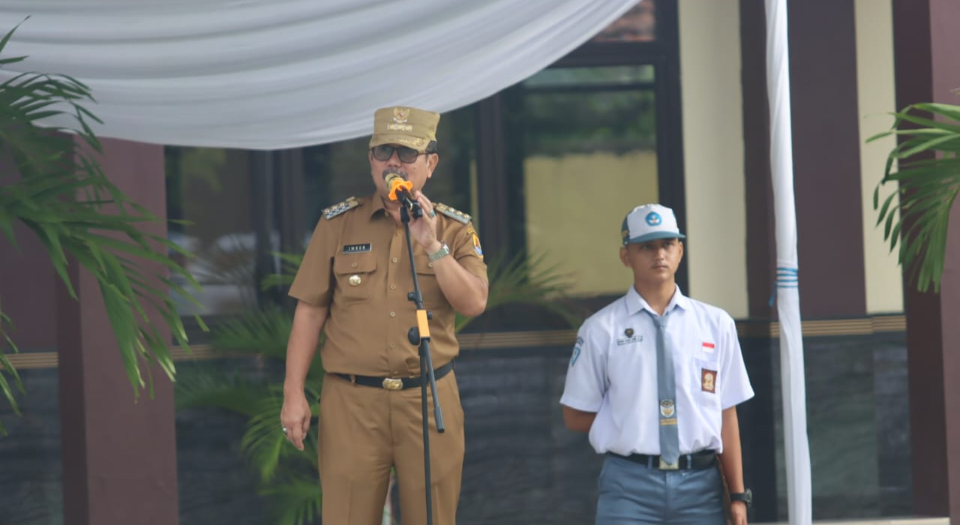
639 24
584 140
210 189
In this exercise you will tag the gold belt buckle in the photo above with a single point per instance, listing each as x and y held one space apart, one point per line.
392 383
669 466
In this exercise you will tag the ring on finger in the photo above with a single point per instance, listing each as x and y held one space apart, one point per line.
432 214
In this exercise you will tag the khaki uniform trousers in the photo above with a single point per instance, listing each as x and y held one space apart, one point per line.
366 430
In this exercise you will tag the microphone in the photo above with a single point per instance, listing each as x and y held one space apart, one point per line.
400 189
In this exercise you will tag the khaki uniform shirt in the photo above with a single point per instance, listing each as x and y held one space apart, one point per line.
358 265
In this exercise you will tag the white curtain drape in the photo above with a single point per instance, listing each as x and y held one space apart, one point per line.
260 74
792 374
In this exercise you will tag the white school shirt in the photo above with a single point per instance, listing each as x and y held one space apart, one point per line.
613 372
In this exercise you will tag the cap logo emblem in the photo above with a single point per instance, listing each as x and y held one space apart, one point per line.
400 115
653 219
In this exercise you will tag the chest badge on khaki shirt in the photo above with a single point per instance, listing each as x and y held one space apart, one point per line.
354 280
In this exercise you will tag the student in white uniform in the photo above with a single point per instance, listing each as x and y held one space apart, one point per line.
655 379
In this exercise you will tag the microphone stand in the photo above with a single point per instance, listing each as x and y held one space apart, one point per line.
420 335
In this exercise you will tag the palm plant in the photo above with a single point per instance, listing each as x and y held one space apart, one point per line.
928 178
53 184
286 476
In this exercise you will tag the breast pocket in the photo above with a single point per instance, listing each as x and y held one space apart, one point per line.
354 273
706 377
429 287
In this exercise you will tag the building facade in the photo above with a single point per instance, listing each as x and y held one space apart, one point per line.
666 105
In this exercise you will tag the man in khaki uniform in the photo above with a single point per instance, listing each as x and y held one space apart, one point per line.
353 283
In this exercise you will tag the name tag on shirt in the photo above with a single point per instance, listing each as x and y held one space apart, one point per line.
629 337
356 248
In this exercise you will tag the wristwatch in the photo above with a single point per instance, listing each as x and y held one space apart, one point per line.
746 496
443 251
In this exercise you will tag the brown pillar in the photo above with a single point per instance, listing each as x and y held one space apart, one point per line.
761 228
826 157
119 456
928 70
758 416
826 163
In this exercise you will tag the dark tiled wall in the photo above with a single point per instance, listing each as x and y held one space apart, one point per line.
858 427
522 466
30 492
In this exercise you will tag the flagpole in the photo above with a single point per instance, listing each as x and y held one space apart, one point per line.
797 448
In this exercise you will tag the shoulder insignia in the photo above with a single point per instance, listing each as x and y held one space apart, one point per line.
332 211
452 213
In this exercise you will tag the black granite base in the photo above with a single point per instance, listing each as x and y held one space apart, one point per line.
30 468
858 427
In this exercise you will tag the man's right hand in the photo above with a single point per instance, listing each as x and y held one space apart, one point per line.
295 417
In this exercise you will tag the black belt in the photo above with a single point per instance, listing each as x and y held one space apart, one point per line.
702 459
394 383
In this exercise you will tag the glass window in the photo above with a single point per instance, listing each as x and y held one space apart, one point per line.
333 172
639 24
209 189
584 141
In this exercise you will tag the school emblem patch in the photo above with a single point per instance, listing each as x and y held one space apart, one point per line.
667 408
708 380
576 351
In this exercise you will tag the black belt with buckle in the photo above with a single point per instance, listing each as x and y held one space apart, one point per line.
394 383
701 459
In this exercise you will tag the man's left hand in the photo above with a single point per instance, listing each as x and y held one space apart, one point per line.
424 229
738 513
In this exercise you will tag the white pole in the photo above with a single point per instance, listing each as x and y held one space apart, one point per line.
788 296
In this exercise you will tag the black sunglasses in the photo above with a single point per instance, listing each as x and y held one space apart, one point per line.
407 155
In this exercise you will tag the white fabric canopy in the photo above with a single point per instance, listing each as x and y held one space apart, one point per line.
286 73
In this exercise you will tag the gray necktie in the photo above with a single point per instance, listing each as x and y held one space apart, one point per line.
667 392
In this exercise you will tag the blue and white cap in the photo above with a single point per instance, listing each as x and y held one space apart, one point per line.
650 222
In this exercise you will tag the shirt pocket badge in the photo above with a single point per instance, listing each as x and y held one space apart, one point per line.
708 380
353 273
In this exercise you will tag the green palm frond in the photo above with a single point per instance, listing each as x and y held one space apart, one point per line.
205 386
297 500
927 188
262 332
267 449
7 369
288 270
59 191
527 280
